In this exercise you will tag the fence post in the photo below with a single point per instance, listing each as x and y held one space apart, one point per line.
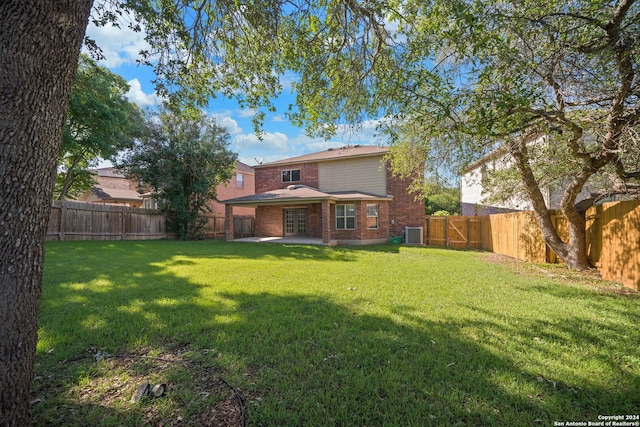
446 231
429 230
122 233
63 213
468 232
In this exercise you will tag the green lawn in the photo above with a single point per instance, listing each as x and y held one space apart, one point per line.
365 336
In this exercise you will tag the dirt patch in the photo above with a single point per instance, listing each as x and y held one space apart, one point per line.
195 394
559 272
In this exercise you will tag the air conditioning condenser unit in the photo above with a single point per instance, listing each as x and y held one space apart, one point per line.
413 235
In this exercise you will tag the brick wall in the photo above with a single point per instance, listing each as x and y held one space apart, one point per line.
119 183
314 220
270 178
269 221
231 191
361 231
404 210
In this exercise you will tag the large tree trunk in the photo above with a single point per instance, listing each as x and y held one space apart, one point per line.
39 46
572 253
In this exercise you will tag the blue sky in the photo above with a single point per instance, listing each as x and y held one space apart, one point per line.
120 47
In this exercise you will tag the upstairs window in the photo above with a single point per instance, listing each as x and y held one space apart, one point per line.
345 217
239 180
291 175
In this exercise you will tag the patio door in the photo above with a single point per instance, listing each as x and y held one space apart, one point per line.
295 222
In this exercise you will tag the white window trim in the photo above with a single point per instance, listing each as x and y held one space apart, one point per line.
377 216
290 174
345 216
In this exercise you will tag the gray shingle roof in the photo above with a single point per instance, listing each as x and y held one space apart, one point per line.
300 194
331 154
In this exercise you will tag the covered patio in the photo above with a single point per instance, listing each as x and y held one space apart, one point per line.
305 215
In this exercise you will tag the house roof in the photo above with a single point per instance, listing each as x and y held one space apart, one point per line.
300 194
348 151
243 167
108 172
498 152
116 194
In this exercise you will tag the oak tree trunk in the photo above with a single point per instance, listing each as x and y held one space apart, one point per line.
39 45
572 253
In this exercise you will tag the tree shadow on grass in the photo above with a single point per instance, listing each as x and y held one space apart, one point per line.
142 251
308 360
323 364
303 360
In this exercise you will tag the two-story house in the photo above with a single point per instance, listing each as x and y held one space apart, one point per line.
344 196
474 194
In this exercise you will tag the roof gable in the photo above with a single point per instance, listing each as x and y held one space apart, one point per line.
348 151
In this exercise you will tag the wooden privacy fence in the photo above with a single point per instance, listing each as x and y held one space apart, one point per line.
89 221
243 226
92 221
613 237
613 241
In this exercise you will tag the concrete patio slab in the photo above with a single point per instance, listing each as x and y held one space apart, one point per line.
284 240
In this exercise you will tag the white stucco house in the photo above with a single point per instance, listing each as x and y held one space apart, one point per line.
474 196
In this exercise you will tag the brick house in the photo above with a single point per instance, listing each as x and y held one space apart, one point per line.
241 184
114 188
344 196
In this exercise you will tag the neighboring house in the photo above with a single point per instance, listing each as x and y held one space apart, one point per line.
473 195
343 196
114 188
242 184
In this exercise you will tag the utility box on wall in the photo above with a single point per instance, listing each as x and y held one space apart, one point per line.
413 235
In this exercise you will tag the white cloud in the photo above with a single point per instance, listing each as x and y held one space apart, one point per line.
270 141
248 112
288 79
365 132
119 45
227 122
138 96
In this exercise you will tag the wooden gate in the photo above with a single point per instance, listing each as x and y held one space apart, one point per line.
454 231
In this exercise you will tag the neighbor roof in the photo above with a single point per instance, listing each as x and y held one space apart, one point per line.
243 167
331 154
108 172
116 194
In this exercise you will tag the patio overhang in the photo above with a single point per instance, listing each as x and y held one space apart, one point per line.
301 194
298 196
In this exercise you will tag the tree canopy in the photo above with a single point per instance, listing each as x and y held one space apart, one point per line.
555 83
182 158
469 76
100 123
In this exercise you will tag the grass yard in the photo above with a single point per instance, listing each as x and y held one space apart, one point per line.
317 336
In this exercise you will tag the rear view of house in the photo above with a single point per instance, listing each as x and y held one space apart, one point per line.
343 196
